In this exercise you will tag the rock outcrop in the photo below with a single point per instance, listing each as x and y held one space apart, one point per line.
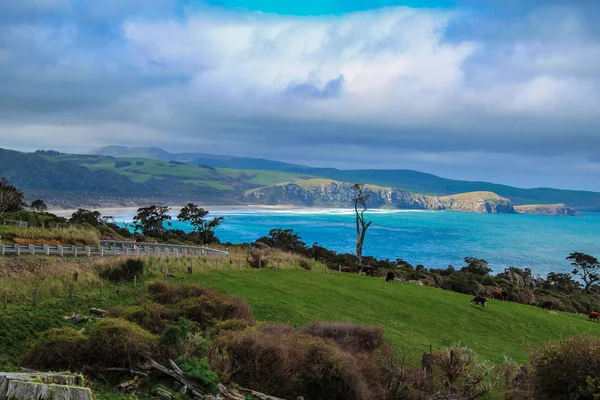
479 202
338 194
40 385
547 209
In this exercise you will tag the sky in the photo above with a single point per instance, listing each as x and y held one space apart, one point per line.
495 90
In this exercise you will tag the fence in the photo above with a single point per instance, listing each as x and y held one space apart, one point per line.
111 248
20 224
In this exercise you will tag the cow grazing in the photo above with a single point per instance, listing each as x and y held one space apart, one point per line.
497 294
594 315
547 305
478 300
389 277
346 269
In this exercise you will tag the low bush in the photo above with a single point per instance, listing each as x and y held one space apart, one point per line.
229 325
460 376
569 369
207 311
204 306
280 361
351 337
168 293
199 370
116 342
125 270
58 348
151 316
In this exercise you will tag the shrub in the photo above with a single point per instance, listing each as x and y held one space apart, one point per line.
229 325
305 265
150 316
124 270
569 369
139 163
351 337
285 363
168 293
207 311
119 343
204 306
461 375
199 370
175 335
122 164
256 258
58 348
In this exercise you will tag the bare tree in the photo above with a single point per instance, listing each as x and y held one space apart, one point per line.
361 225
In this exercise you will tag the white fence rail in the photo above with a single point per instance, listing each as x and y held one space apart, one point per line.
111 248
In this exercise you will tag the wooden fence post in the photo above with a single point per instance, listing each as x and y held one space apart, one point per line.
1 249
35 297
88 251
46 250
74 250
217 263
18 248
101 250
61 251
278 264
32 249
259 262
134 280
340 268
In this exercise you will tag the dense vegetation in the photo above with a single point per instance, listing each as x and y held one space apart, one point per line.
212 333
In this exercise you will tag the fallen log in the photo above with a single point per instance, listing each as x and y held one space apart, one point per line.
178 375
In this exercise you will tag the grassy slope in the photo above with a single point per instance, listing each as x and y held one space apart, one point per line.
471 196
412 316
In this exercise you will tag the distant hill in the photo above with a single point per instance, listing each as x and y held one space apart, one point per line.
217 161
412 181
62 181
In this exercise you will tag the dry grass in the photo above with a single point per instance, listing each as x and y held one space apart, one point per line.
59 236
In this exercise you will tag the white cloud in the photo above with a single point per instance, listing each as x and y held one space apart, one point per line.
379 80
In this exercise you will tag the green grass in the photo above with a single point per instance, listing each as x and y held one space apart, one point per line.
413 317
263 178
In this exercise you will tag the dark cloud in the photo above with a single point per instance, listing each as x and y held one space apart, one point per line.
493 90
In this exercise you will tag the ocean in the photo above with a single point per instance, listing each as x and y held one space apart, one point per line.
435 239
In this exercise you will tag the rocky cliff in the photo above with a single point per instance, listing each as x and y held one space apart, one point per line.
547 209
337 194
480 202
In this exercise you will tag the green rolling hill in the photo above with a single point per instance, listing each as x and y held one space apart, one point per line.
144 175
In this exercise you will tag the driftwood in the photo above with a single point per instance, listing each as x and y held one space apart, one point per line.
98 312
178 375
163 393
197 391
130 386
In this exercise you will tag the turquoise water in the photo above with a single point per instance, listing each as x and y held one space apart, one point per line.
435 239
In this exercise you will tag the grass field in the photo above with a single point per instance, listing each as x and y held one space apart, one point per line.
413 317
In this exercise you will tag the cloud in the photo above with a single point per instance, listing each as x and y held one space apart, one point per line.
500 81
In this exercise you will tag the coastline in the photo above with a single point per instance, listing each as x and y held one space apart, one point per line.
132 210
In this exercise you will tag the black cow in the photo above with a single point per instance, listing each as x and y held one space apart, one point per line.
478 300
389 277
